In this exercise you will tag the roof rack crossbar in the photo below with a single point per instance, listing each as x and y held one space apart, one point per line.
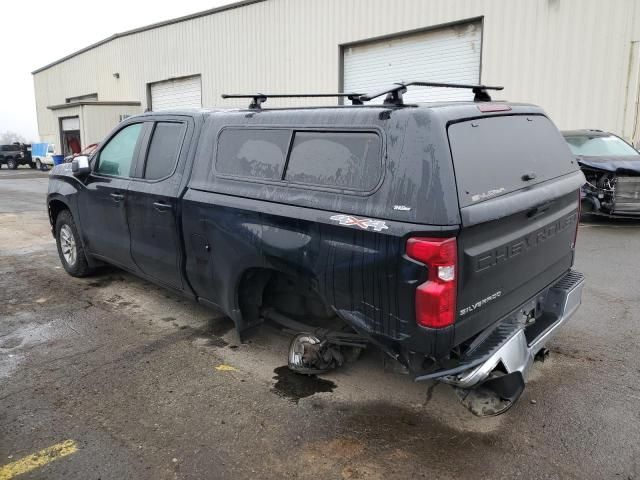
394 93
257 99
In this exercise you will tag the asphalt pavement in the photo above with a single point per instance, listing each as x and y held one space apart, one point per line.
111 377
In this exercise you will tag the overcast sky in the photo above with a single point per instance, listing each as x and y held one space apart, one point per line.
35 33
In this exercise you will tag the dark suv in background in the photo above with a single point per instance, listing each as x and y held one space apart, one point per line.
443 234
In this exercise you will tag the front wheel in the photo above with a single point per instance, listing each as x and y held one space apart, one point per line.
38 164
70 249
12 164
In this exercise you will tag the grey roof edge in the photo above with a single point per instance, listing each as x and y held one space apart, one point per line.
133 103
204 13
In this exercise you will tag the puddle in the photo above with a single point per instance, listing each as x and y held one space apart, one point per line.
295 386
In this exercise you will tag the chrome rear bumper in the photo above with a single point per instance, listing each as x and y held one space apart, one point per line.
513 344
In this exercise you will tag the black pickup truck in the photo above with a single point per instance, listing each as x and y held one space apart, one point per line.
443 234
14 155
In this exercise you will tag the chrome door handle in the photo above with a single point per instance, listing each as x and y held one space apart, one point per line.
161 207
117 197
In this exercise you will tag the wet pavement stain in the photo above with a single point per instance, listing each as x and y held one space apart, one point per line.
11 342
210 342
295 386
219 326
210 335
100 282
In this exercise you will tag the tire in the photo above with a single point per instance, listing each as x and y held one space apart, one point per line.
38 164
12 164
32 165
70 249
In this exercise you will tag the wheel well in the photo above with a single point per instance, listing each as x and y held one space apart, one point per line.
291 295
55 207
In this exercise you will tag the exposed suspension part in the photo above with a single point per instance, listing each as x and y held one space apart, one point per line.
316 350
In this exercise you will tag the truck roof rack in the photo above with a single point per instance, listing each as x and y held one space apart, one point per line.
257 99
394 93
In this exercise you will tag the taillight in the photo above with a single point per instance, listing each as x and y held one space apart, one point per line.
436 298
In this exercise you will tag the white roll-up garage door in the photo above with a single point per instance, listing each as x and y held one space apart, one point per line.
71 123
448 54
176 93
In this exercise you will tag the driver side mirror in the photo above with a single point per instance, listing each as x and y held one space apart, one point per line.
80 165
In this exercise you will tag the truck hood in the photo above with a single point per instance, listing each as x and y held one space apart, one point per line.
63 169
612 164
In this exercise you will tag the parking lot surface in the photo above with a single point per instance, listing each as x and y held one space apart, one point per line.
111 377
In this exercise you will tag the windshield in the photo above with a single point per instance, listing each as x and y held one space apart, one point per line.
610 146
50 149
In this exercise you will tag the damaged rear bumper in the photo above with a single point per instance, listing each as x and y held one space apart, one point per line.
514 344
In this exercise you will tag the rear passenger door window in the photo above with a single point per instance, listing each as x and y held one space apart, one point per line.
164 150
116 158
253 153
344 160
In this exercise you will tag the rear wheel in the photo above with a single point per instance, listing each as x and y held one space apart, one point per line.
32 165
12 164
70 248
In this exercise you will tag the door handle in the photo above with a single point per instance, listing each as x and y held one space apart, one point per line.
117 197
161 207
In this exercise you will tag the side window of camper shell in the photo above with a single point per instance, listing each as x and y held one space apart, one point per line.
344 160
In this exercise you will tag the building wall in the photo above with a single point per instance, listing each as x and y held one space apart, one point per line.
572 57
52 122
99 120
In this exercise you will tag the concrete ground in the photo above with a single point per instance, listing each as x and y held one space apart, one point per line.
121 379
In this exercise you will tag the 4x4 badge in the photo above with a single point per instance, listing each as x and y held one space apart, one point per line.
364 223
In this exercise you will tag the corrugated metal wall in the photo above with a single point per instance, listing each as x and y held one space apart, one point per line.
99 120
572 57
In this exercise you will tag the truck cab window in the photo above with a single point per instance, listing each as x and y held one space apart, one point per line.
116 157
253 153
164 150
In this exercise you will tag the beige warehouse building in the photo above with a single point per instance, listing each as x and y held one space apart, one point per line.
578 59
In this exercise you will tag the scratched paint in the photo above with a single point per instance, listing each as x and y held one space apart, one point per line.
38 459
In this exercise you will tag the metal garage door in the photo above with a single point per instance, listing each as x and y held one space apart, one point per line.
176 93
70 123
449 54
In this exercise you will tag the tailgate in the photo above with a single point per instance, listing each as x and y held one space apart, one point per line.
518 188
